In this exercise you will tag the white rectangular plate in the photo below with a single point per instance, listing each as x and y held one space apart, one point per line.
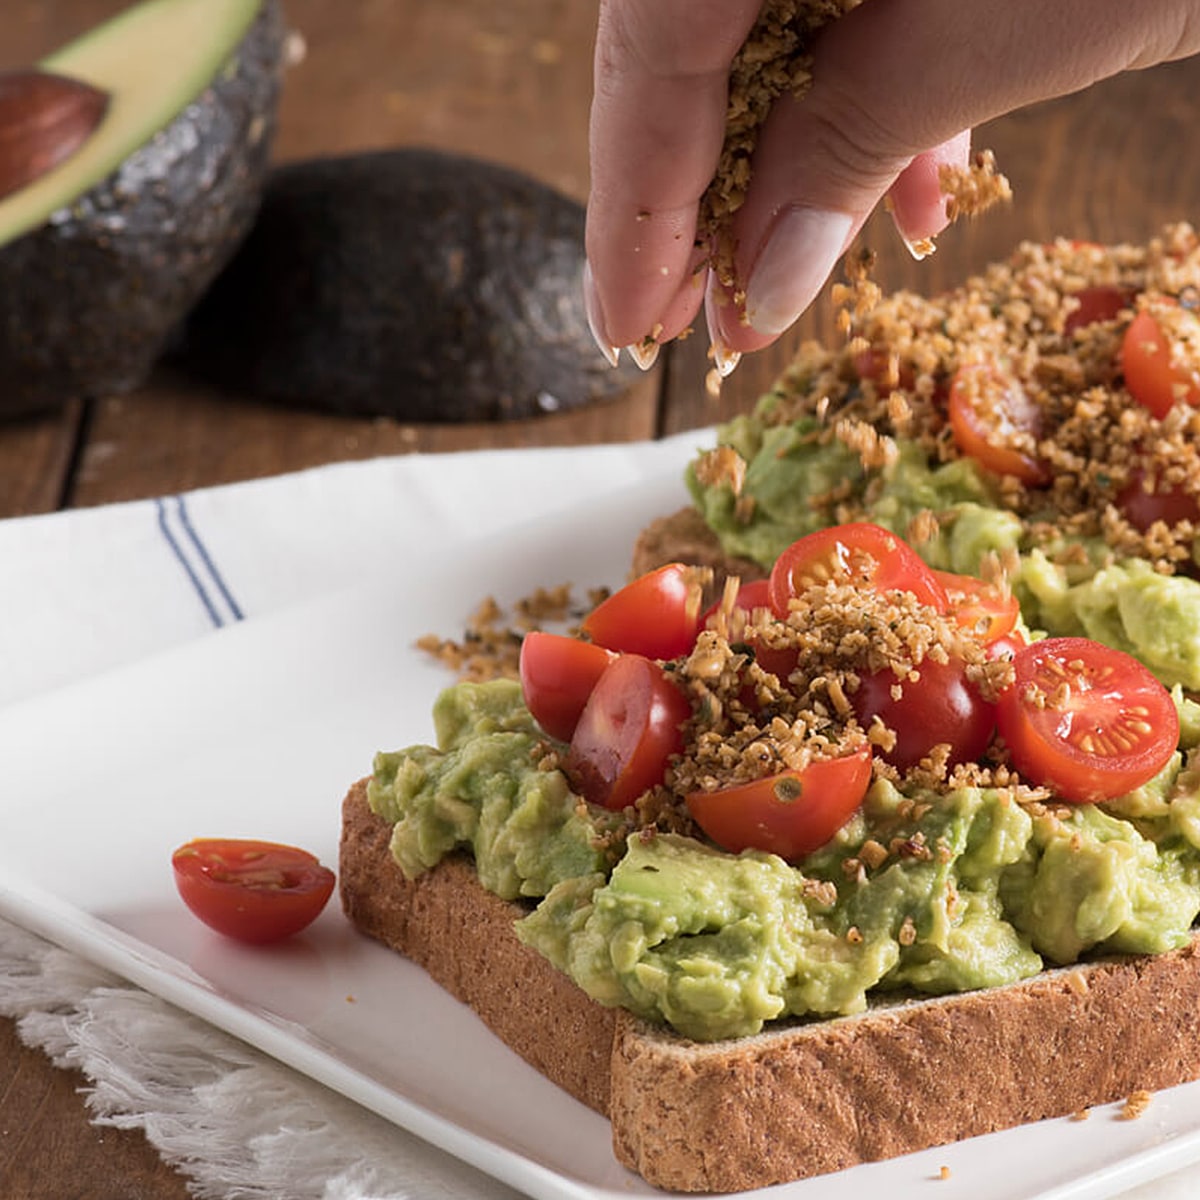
256 732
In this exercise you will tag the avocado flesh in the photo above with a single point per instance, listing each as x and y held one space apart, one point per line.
102 257
136 58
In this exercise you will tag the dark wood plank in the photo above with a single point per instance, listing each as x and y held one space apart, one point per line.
48 1147
37 456
175 434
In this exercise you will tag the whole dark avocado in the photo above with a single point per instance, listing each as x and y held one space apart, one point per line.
101 259
407 283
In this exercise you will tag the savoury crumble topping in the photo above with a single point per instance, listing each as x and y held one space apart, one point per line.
1049 386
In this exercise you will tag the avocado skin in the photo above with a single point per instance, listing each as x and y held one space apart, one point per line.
89 301
407 283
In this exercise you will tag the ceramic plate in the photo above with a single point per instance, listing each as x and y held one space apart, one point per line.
256 732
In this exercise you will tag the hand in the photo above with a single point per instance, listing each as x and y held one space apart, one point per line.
898 84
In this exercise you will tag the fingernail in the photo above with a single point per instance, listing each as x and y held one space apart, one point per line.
919 248
644 353
724 359
591 306
798 257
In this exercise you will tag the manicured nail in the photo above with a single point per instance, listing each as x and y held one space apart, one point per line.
919 248
644 353
800 253
591 306
724 359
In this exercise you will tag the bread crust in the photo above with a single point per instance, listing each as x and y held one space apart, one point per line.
685 537
803 1098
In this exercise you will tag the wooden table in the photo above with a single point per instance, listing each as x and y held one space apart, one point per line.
505 79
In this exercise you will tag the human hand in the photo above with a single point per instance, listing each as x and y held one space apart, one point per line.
897 87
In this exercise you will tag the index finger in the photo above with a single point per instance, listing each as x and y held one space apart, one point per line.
657 125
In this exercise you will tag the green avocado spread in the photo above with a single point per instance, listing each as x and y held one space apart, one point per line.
973 890
992 429
1069 586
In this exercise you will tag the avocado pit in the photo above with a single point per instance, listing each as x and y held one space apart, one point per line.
44 119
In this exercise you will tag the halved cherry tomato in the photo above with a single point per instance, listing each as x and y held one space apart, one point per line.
791 814
988 409
1153 380
941 706
1142 506
1087 721
557 677
883 369
858 553
657 615
754 594
629 728
980 606
251 891
1006 646
1104 302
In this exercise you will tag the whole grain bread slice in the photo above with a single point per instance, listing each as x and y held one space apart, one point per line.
804 1098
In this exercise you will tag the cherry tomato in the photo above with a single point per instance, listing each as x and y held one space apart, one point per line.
752 595
988 409
557 677
657 615
629 728
1006 646
979 606
251 891
859 553
883 370
1142 507
791 814
1153 380
1103 302
942 706
1087 721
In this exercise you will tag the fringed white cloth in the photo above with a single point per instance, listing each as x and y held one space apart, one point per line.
237 1124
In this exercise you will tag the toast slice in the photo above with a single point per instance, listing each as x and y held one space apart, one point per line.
804 1098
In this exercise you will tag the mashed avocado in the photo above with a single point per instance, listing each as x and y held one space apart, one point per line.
794 483
923 891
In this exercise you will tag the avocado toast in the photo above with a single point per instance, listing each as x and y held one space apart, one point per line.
757 1010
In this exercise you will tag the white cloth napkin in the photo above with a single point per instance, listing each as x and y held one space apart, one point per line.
85 591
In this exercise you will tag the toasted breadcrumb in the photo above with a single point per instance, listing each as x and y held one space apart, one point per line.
491 643
775 60
1135 1105
1094 445
975 188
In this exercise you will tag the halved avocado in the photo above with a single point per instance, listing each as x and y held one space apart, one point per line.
102 257
407 283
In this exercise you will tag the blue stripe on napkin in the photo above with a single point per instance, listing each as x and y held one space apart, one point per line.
197 563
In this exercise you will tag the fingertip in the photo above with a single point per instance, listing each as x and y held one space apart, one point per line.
917 201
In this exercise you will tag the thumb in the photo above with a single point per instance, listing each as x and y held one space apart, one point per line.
895 84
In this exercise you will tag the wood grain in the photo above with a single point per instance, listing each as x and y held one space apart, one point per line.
509 81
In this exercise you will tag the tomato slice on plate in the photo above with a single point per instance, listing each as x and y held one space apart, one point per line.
791 814
858 553
980 606
657 615
941 706
990 415
251 891
1090 722
627 732
1152 376
557 677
